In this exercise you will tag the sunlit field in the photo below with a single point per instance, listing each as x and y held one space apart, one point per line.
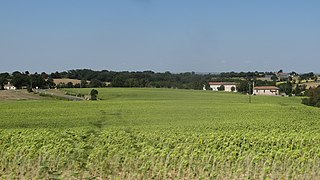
160 133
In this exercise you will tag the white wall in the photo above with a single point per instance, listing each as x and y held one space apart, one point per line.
9 87
214 87
226 87
266 92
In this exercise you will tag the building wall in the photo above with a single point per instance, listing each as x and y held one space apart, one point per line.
214 87
266 92
226 87
9 87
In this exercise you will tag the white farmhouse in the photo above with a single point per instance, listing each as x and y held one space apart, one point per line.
266 90
228 86
9 87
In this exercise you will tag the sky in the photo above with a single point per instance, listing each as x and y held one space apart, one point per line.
160 35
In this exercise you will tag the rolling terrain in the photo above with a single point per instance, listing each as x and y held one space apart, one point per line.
160 133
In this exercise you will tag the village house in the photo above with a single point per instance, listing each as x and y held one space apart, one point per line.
283 76
266 90
227 86
9 86
266 78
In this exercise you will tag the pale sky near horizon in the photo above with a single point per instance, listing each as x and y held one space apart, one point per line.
160 35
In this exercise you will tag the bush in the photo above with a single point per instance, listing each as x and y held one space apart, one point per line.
221 88
29 89
94 93
313 97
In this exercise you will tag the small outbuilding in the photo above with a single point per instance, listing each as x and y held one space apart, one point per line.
9 86
266 90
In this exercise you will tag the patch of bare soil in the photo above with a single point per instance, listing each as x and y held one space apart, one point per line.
18 95
66 80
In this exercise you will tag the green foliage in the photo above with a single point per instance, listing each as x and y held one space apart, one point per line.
299 89
94 94
94 83
19 80
50 83
313 97
221 88
29 89
160 134
286 88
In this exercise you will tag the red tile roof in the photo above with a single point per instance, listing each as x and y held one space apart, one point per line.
266 88
222 83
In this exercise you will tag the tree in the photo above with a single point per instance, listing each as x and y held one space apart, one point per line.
50 83
221 88
44 75
3 79
69 85
299 89
37 80
83 83
119 81
286 88
274 78
94 93
95 83
313 97
244 86
19 80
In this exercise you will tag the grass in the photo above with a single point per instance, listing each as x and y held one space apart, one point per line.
160 133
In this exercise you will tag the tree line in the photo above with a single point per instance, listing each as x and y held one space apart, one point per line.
186 80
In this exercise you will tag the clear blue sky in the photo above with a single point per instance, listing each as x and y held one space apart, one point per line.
160 35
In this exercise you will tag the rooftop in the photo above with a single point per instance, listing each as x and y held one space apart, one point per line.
266 88
222 83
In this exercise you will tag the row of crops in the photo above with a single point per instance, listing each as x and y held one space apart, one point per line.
174 153
160 134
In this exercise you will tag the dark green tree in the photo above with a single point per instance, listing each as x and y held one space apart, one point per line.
313 97
19 79
3 79
94 94
95 83
286 88
221 88
83 83
69 85
50 83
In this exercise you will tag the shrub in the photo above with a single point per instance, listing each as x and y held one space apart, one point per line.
313 97
94 93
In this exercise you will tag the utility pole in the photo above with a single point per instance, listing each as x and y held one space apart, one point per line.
249 92
79 88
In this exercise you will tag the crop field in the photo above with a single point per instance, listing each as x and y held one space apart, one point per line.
160 134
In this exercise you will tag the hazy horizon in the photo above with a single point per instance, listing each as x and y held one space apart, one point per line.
176 36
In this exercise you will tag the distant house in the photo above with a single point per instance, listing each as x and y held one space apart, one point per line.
266 90
266 78
9 87
227 86
283 76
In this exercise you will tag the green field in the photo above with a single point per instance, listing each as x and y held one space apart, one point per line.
160 133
